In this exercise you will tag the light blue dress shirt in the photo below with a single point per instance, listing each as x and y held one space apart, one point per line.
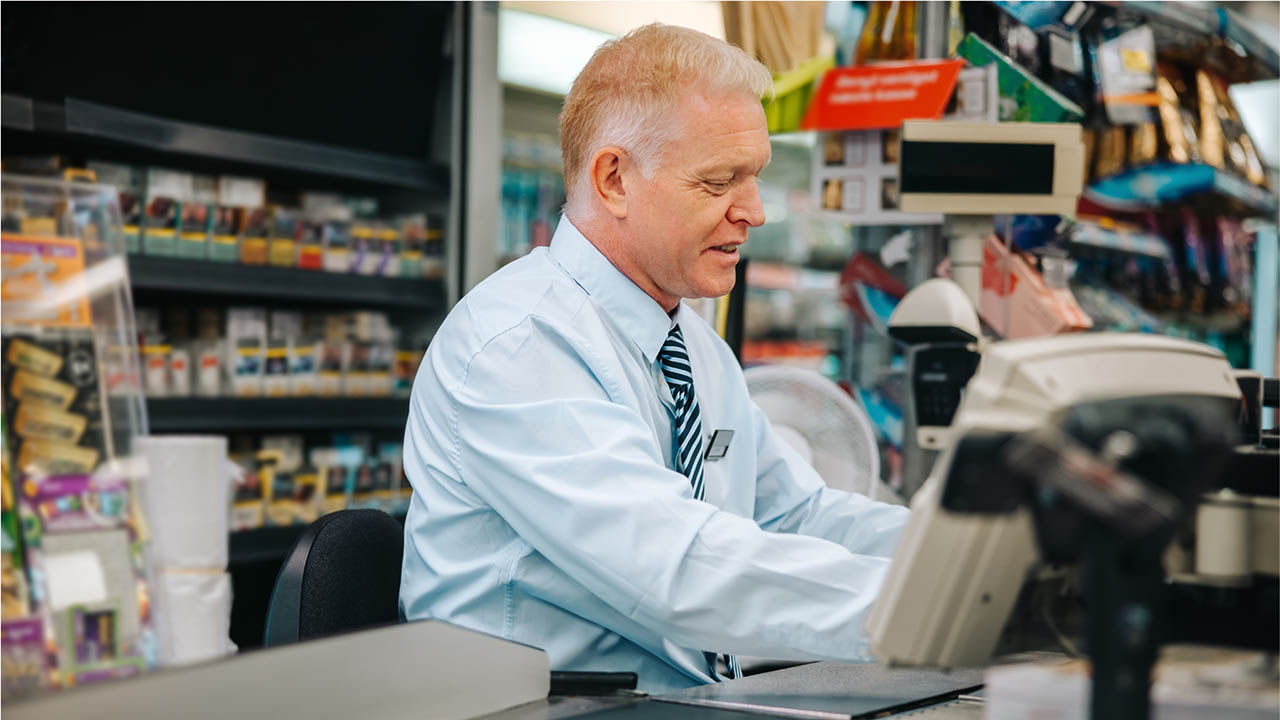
545 508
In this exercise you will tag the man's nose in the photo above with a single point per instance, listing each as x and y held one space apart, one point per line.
747 207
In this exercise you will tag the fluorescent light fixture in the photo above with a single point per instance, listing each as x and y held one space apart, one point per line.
542 53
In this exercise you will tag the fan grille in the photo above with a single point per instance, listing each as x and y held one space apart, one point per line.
836 429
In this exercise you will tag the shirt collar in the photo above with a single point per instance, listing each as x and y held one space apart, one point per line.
639 316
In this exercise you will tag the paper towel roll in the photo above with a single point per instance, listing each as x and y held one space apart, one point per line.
193 617
187 496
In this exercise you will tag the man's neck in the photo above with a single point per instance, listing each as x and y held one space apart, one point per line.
604 236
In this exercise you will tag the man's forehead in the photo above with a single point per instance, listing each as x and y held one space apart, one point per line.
729 130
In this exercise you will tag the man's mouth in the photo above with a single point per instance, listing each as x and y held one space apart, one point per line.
727 249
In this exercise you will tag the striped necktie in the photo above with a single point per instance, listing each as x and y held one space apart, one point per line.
687 436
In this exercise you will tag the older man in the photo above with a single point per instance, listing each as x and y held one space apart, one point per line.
589 474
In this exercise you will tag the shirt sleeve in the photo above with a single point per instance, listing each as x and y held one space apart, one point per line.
539 435
792 498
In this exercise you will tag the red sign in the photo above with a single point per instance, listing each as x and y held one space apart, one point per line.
873 97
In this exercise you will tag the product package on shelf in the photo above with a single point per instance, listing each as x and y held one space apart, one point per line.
311 233
333 476
1016 301
363 248
283 250
54 398
196 223
130 184
258 227
413 233
235 195
166 190
406 370
247 506
224 244
74 585
303 363
83 552
388 252
433 254
1023 96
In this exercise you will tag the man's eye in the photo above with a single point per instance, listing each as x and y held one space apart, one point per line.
717 185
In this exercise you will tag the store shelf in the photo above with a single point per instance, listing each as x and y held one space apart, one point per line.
1108 239
268 544
1204 19
259 281
226 414
95 121
1165 184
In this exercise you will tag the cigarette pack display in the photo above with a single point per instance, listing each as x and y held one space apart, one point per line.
253 241
388 486
364 251
303 357
166 190
337 245
208 361
283 251
196 224
275 381
180 372
333 477
310 243
224 245
413 232
333 363
241 192
247 511
130 183
388 252
155 368
433 254
358 379
406 369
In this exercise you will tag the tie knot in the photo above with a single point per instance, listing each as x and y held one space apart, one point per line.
674 359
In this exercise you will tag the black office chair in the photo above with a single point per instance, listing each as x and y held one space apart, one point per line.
343 574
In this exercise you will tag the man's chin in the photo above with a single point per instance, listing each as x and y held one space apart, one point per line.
713 289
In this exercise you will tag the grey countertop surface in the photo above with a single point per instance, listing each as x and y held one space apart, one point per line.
831 690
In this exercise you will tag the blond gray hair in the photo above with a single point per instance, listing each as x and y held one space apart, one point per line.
627 94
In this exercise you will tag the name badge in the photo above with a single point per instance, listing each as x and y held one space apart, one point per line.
719 445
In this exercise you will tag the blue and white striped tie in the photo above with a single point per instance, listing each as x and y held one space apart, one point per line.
687 435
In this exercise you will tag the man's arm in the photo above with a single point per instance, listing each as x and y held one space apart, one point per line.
792 498
581 479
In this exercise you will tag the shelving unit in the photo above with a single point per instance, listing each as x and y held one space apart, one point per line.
1137 243
231 414
82 118
234 281
1168 184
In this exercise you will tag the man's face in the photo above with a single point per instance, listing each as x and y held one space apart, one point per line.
691 218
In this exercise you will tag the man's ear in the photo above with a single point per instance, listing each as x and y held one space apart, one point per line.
605 172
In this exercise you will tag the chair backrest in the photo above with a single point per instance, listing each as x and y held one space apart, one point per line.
343 574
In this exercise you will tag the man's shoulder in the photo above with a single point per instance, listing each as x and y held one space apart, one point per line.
532 287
